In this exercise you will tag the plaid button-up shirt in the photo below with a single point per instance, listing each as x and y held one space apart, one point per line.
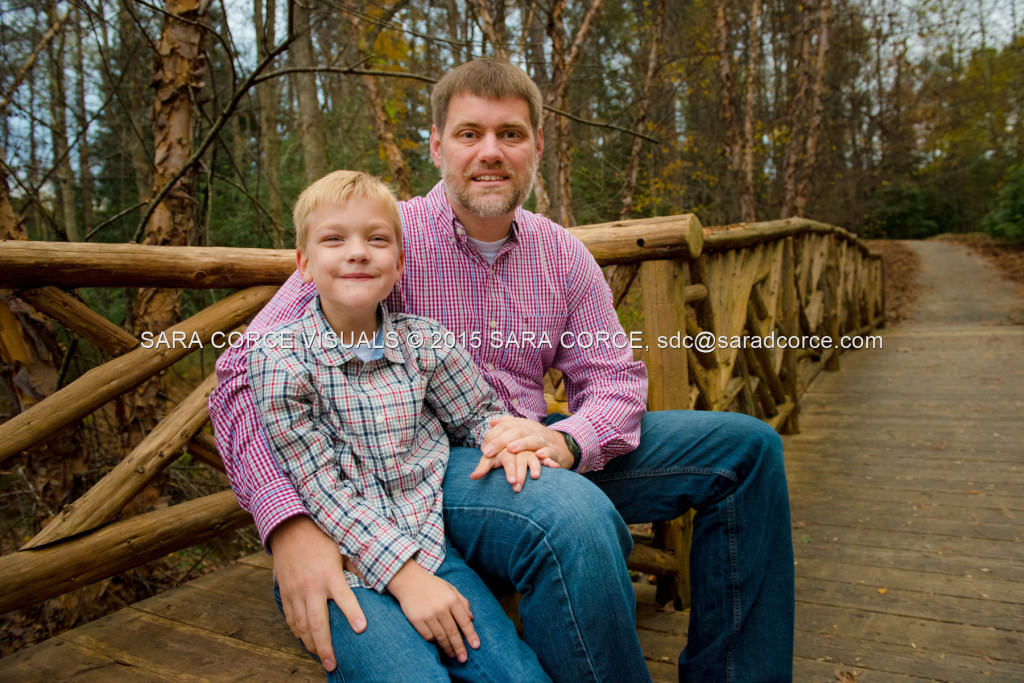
543 280
366 444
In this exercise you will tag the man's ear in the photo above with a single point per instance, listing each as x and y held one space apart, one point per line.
302 263
435 146
540 142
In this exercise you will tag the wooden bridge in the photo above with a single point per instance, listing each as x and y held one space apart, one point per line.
906 512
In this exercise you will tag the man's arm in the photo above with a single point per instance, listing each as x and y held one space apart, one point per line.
606 389
307 565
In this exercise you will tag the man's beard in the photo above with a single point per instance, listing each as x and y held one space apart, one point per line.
498 201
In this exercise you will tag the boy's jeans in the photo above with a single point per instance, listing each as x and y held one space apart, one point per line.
562 542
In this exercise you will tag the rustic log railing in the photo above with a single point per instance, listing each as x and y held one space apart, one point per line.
787 278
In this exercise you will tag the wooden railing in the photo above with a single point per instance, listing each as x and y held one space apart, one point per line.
787 278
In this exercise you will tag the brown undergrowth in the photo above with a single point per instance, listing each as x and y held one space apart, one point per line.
36 486
900 265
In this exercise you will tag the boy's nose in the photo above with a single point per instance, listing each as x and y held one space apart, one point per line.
357 251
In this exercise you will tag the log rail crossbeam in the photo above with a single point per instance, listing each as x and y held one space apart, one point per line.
787 277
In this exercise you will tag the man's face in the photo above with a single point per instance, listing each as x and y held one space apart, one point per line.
487 153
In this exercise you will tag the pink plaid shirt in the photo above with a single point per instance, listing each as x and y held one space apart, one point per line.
543 303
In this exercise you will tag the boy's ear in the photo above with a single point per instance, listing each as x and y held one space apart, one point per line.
435 146
401 263
302 263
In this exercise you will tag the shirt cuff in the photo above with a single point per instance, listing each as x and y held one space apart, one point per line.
273 503
383 556
586 437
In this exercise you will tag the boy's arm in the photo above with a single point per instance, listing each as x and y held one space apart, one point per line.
306 453
461 397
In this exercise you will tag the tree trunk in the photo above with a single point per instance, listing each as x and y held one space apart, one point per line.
311 127
797 103
65 179
487 24
178 75
813 131
748 204
142 161
82 118
633 167
269 140
562 65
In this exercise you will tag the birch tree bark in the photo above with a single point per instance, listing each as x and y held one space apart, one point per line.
178 75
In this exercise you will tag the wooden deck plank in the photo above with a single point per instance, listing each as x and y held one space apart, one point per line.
178 651
908 478
60 660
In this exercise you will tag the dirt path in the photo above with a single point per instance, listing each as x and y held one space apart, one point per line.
907 491
960 288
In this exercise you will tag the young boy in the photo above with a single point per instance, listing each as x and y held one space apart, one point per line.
358 405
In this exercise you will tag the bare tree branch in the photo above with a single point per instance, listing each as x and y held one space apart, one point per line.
30 62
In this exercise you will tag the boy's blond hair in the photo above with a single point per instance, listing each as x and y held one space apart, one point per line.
492 79
337 188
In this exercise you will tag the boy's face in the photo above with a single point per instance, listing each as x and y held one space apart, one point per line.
353 256
487 153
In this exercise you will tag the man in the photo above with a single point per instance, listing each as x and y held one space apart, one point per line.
490 272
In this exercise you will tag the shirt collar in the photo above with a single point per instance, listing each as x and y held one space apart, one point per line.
325 346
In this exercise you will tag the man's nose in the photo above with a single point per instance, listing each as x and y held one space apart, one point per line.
490 149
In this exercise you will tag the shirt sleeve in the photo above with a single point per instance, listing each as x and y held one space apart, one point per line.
260 486
307 452
461 398
606 389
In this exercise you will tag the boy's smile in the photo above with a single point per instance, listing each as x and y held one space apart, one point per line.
353 257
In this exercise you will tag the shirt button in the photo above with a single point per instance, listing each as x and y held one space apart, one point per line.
489 366
380 418
493 323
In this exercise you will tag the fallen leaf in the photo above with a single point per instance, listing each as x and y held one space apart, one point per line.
975 493
883 591
806 539
846 676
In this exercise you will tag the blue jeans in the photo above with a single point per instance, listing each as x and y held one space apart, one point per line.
562 542
390 649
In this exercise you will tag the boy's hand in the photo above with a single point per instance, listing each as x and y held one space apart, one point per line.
518 445
435 609
516 466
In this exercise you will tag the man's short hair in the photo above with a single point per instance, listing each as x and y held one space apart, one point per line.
337 188
492 79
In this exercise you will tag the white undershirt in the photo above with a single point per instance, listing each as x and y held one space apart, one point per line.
368 351
489 250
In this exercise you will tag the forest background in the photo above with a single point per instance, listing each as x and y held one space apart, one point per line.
199 121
